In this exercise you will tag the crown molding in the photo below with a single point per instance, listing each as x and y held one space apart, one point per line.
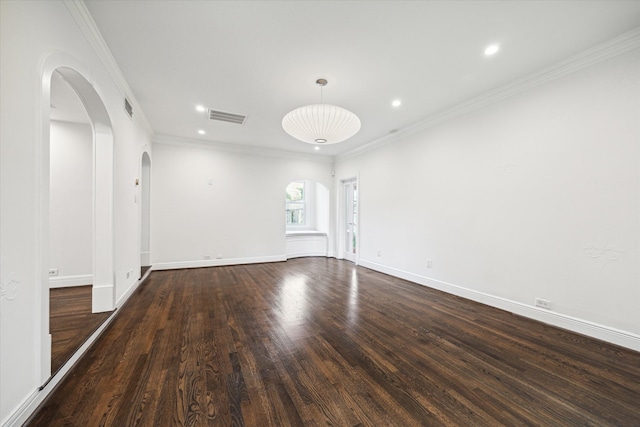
88 27
241 148
601 52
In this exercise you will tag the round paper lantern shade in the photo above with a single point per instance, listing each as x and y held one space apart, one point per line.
321 124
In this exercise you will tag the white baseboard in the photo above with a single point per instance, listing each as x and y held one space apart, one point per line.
102 298
306 254
581 326
216 262
68 281
127 294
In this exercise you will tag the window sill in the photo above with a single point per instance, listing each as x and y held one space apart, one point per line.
292 233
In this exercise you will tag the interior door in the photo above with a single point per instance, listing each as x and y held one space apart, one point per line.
351 220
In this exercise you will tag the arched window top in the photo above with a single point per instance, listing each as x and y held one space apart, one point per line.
296 209
306 206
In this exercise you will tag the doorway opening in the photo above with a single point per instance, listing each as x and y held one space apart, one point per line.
145 214
71 193
75 213
350 234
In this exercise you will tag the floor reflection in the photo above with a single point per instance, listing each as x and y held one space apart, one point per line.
352 308
293 300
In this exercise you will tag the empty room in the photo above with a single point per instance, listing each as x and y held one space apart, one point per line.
306 213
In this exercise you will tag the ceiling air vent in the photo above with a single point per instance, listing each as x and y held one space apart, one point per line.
128 108
227 117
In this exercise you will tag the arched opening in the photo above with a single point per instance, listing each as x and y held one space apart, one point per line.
70 223
307 218
145 214
100 137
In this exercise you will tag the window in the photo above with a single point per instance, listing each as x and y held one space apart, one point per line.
306 207
296 204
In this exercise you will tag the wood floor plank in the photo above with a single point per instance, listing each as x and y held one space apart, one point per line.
71 321
317 342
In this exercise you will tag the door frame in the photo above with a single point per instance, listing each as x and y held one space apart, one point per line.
143 197
342 220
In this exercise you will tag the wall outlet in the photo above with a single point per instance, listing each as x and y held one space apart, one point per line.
207 257
429 263
128 274
379 252
53 272
219 256
543 303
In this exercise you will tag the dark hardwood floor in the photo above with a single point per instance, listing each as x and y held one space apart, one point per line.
70 322
317 341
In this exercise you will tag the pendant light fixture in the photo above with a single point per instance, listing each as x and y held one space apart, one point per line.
321 123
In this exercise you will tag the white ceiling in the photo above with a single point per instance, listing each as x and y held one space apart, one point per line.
261 58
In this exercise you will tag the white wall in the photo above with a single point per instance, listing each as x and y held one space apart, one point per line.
71 203
535 196
322 207
35 36
239 216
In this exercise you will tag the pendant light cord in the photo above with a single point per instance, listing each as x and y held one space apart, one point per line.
321 83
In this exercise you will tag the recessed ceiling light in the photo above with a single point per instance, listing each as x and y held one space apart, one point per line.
200 108
396 103
491 50
316 148
201 132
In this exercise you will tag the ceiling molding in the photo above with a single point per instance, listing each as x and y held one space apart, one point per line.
242 149
87 25
601 52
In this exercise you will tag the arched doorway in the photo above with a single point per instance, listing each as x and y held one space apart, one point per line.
145 214
103 290
307 219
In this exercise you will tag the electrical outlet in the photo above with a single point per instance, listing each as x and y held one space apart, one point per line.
379 252
543 303
128 274
53 272
429 263
207 257
219 256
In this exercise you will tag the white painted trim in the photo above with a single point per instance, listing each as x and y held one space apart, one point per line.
102 298
306 254
601 52
134 286
216 262
581 326
78 10
241 148
304 233
69 281
145 258
342 220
